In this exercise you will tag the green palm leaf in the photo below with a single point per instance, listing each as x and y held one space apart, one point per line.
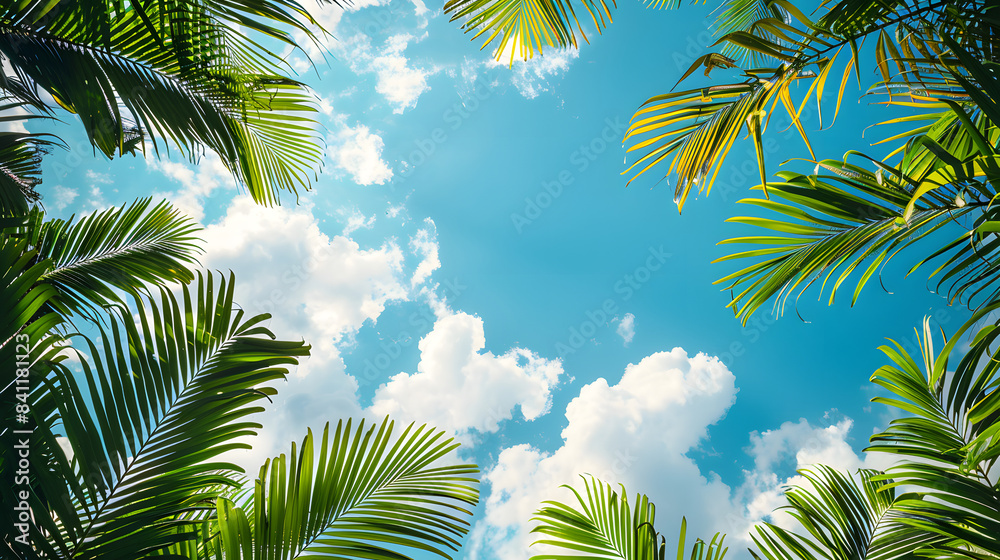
166 395
949 433
843 519
603 525
21 170
123 248
525 26
27 346
191 74
367 494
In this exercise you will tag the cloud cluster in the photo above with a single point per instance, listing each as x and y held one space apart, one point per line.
358 151
460 387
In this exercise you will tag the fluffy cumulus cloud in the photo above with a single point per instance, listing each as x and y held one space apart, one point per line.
358 151
636 432
626 328
460 387
319 288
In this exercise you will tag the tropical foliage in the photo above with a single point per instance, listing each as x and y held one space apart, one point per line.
128 457
143 75
602 524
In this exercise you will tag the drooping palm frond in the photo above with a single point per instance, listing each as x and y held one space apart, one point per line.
842 518
604 525
166 393
194 75
20 169
367 495
697 127
948 434
121 248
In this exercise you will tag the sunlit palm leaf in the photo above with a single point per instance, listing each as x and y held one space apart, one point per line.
602 524
367 494
524 27
190 74
121 249
843 519
948 430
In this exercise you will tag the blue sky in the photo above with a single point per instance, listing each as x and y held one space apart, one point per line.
470 257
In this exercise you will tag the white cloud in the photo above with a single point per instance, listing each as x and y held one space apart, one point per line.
355 220
96 178
531 77
801 444
196 184
424 244
319 288
626 328
62 197
358 151
458 387
636 432
396 79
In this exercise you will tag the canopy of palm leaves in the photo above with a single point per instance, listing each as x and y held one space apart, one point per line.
193 75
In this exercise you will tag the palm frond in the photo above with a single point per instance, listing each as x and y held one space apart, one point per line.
603 525
188 75
524 27
843 519
127 248
27 345
367 495
166 394
21 170
948 433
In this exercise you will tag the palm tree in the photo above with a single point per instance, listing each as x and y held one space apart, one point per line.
126 460
192 75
